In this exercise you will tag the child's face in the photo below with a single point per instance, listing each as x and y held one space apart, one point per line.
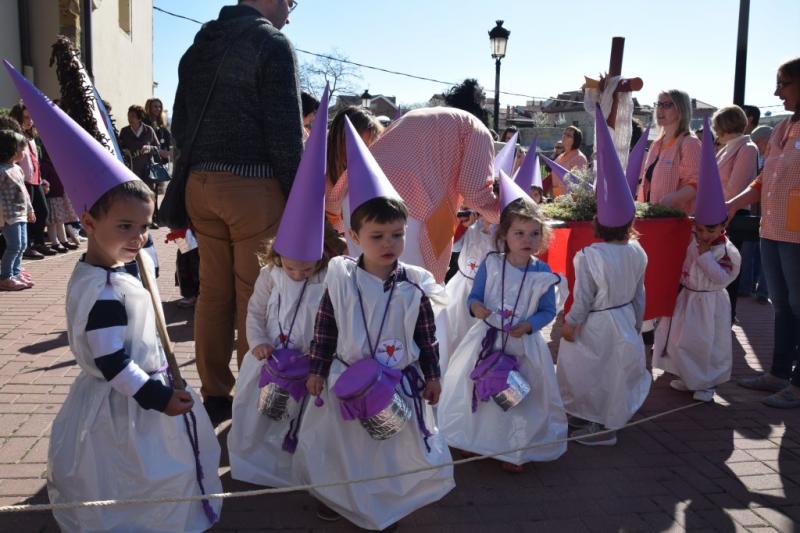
117 236
707 234
524 237
382 244
536 195
298 270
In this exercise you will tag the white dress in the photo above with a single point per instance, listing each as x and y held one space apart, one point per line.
476 243
104 445
603 374
255 441
331 449
539 420
695 343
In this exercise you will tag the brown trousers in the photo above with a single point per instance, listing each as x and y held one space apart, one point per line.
232 216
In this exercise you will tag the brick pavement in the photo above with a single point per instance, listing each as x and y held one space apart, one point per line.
732 466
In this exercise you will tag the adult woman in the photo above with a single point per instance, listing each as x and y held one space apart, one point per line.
139 142
37 248
738 166
669 175
370 129
572 158
778 190
156 119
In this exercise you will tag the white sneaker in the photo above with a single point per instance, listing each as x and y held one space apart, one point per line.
678 384
704 395
587 437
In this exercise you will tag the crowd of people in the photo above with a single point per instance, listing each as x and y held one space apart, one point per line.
321 251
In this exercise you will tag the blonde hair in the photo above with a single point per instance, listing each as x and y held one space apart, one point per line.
332 247
731 119
162 117
683 104
524 209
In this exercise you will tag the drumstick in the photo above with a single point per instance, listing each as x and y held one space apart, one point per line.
161 323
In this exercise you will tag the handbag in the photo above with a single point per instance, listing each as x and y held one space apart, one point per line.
172 211
158 173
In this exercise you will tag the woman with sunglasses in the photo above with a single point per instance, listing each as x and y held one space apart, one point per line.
669 176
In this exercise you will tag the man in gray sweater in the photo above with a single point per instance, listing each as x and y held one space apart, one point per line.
242 165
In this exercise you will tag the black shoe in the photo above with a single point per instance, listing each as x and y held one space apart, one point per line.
59 248
44 249
326 513
219 408
30 253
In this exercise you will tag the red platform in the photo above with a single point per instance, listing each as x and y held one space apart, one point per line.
665 241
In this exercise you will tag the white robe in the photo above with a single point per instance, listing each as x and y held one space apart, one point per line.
695 343
539 419
331 449
104 445
603 375
255 441
475 245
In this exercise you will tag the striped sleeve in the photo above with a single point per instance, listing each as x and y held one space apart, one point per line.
105 334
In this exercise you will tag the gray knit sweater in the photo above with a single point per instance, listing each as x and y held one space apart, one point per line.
253 124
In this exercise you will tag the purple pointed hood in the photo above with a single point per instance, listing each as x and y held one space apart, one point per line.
86 168
710 204
563 174
635 161
615 205
509 191
300 235
529 173
504 160
365 178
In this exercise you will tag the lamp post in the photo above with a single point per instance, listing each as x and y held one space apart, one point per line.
366 99
498 36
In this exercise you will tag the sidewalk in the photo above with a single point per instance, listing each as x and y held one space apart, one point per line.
731 466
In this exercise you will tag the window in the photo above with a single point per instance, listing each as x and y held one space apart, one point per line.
125 16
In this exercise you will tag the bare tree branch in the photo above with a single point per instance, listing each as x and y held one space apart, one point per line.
341 77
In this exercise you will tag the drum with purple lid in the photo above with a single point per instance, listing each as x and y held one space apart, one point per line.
283 377
498 377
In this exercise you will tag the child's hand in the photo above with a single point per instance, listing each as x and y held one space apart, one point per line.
263 351
180 403
432 391
568 332
479 310
31 217
315 384
521 329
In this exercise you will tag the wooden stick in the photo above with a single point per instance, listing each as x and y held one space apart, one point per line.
161 323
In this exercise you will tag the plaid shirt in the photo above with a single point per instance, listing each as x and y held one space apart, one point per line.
326 332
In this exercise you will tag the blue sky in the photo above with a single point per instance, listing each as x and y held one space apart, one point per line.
690 45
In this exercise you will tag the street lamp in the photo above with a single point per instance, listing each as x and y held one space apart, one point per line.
366 99
498 36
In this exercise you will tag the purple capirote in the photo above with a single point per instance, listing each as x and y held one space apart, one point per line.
301 232
504 160
509 191
529 173
365 389
86 168
635 162
365 178
615 205
288 369
709 206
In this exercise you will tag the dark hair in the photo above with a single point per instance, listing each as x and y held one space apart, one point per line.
791 69
753 112
17 113
618 233
577 136
380 210
11 142
362 120
525 209
135 189
138 111
310 104
636 132
468 96
7 122
512 130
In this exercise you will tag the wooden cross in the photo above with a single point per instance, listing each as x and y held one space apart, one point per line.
625 85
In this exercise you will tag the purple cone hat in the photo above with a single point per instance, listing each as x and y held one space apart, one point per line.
365 178
635 161
87 169
710 204
300 235
504 160
529 173
615 205
509 191
563 174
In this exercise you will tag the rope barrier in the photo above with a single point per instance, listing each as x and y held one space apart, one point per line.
28 508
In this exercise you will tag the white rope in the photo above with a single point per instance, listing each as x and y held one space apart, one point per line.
27 508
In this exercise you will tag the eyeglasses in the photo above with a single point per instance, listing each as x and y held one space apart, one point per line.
292 5
780 84
664 105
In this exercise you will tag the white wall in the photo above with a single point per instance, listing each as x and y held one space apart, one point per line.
9 49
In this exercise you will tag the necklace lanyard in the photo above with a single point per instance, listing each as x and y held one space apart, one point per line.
372 349
294 317
502 299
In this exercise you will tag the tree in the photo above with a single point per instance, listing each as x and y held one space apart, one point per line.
331 69
468 96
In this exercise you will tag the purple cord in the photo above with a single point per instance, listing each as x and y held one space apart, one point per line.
416 384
